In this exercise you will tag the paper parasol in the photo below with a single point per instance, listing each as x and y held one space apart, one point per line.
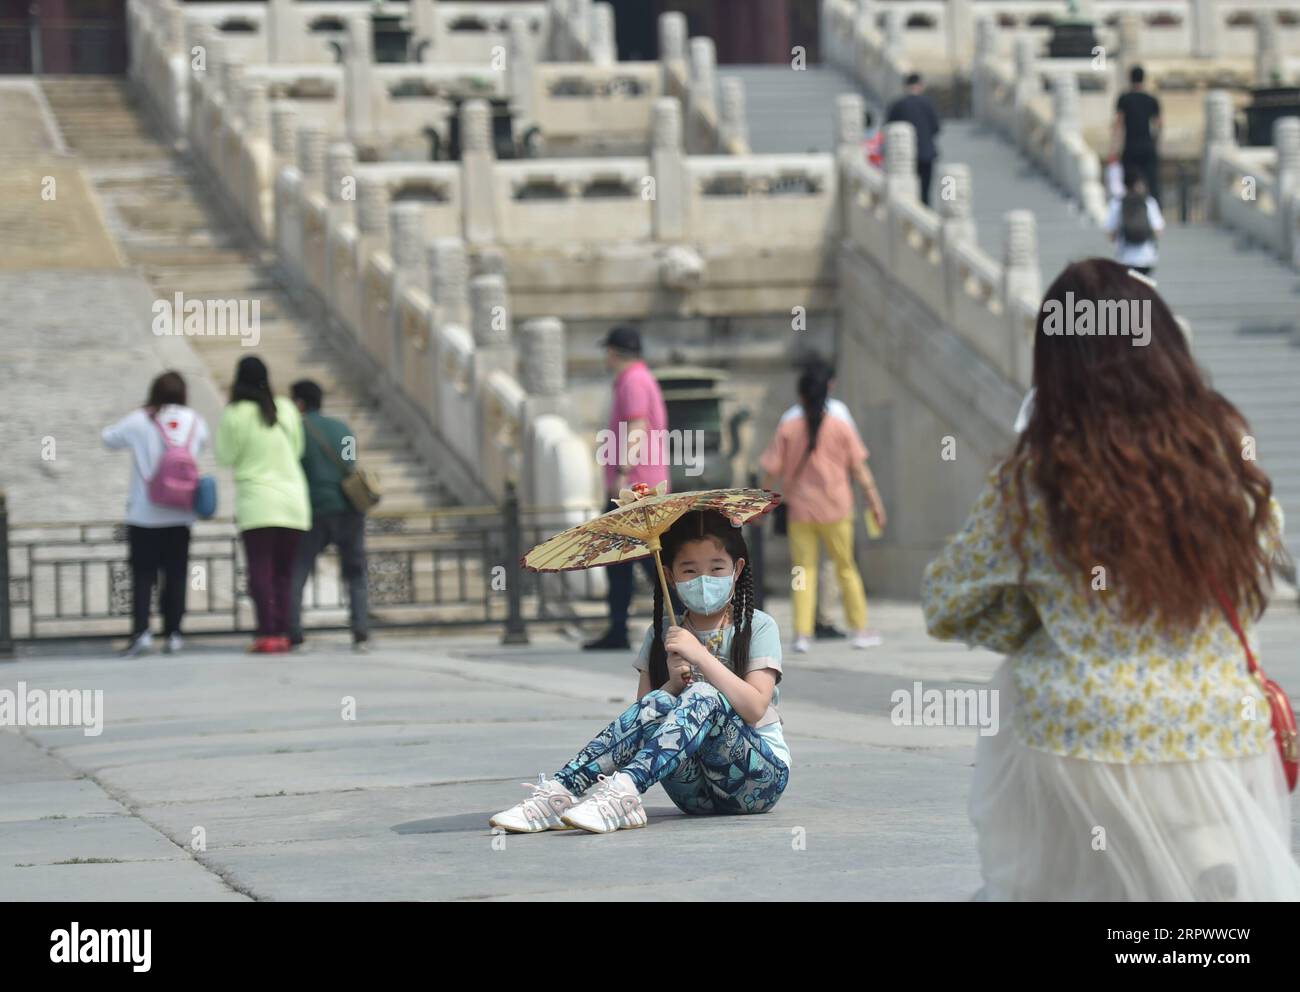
632 529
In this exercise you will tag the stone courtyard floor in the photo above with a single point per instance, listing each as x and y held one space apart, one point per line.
224 776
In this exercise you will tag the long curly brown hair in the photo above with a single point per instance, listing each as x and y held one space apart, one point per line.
1141 465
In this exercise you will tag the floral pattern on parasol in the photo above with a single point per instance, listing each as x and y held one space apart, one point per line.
632 529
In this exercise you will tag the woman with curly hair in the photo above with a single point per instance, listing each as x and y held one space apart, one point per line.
1104 558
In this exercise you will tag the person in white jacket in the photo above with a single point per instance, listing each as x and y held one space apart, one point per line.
158 536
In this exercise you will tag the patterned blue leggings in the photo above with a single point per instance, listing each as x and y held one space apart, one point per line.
695 745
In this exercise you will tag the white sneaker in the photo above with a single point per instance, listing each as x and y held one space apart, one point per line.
614 805
137 647
173 644
867 639
803 645
540 811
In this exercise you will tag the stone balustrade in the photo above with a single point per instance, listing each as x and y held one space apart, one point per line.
690 76
1253 190
853 40
406 268
404 110
1009 97
939 33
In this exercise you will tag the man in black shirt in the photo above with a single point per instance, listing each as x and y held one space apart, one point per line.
1137 122
917 109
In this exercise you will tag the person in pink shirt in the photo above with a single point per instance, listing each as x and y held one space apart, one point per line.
814 456
634 450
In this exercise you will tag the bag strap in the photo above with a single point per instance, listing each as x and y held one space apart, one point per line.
189 435
1228 609
324 445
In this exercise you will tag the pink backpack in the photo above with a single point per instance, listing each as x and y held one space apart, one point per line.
177 477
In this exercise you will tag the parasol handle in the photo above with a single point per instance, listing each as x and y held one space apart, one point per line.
663 584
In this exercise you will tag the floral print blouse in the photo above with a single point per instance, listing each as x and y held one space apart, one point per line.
1088 684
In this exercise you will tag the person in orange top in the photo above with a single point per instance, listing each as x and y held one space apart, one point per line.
814 456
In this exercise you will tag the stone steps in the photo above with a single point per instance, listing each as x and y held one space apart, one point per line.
790 111
171 228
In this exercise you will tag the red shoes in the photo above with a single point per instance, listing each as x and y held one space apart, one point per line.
269 645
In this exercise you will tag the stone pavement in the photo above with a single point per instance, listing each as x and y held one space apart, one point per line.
291 801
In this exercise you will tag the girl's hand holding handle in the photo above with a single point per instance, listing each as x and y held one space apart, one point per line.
679 673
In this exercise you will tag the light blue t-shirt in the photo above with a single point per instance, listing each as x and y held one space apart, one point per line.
764 652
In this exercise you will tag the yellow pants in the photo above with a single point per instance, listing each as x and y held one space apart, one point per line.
805 555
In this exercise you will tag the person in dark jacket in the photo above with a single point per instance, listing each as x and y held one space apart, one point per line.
329 454
1136 130
918 110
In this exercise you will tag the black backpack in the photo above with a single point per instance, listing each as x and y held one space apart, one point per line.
1135 222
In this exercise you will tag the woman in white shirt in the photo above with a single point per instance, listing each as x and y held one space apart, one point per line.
158 536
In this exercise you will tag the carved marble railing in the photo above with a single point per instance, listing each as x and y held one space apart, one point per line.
938 32
1008 97
991 305
1253 190
399 110
378 252
853 40
712 124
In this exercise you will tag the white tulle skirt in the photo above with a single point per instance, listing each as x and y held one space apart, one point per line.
1054 828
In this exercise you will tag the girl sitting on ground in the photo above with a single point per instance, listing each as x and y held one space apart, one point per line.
704 725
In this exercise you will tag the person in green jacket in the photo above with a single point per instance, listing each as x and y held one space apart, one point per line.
331 453
261 438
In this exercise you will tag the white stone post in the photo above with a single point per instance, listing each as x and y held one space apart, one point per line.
1065 122
734 123
449 281
478 163
255 109
672 45
1130 43
1027 84
521 72
426 25
312 143
1268 61
604 47
489 312
284 132
1220 138
961 27
901 178
358 80
282 31
703 77
668 163
953 192
1205 28
373 200
1020 274
541 358
1286 139
341 181
406 244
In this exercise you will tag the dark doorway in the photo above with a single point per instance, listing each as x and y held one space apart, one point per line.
63 37
744 31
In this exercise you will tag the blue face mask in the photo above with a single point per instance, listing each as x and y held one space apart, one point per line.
706 594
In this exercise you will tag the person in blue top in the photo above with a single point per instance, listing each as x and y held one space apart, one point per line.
705 724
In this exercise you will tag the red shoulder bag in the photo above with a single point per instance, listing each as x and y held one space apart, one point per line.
1284 728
